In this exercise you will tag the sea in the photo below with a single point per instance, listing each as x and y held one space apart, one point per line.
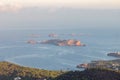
15 49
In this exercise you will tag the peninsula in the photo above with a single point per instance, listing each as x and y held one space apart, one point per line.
116 54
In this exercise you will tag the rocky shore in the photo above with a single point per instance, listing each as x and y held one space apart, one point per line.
116 54
108 64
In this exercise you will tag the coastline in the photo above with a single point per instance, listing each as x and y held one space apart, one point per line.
107 64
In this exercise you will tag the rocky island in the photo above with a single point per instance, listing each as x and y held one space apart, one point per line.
53 35
32 42
59 42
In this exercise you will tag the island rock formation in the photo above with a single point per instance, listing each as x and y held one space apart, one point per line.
31 41
59 42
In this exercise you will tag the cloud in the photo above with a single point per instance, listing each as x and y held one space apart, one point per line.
14 5
72 3
5 7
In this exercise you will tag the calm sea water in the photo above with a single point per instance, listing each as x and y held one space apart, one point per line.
14 47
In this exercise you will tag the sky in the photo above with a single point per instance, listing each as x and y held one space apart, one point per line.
40 14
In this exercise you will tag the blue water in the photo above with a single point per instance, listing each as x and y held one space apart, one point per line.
14 47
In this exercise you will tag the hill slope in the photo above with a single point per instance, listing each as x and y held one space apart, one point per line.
90 74
9 71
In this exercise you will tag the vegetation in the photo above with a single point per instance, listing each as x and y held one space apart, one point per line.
9 71
90 74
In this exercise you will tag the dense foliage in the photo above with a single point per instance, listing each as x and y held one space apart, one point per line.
90 74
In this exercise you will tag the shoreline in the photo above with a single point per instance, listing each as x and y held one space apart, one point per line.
76 67
107 64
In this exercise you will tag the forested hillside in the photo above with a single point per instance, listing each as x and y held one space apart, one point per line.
9 71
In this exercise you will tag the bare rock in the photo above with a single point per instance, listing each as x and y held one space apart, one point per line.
59 42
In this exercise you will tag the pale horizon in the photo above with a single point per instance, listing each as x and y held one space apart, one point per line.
55 14
8 5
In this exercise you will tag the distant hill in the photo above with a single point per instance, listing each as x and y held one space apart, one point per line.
9 71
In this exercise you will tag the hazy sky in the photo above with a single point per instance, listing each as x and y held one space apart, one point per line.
31 14
17 4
